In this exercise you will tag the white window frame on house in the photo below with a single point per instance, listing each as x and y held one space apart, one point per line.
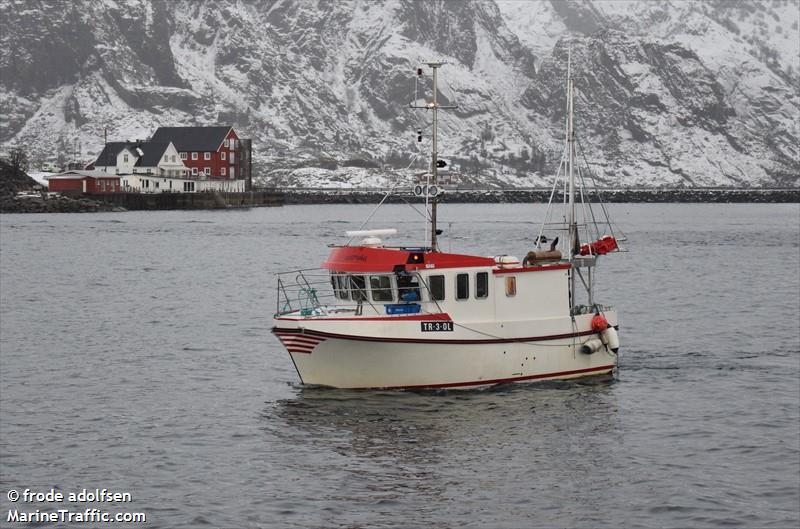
222 171
194 156
183 156
194 171
223 155
125 158
225 143
206 155
207 171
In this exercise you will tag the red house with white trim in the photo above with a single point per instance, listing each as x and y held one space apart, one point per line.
209 152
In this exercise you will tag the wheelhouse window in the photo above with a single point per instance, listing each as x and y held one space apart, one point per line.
481 285
358 288
381 287
339 285
462 286
436 284
407 287
511 286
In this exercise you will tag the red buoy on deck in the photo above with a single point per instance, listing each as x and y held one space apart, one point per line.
599 323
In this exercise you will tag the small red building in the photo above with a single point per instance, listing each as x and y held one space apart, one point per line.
78 181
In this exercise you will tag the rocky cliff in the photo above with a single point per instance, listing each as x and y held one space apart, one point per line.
676 93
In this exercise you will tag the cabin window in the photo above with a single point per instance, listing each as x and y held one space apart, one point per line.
511 286
183 156
207 171
481 285
222 171
194 156
381 287
125 158
223 155
194 171
407 287
206 156
436 284
462 286
341 281
358 288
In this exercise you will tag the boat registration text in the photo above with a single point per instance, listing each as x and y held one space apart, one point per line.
436 326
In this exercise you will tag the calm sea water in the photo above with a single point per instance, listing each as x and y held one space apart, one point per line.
135 355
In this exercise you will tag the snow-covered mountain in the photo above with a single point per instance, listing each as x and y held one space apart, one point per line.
670 92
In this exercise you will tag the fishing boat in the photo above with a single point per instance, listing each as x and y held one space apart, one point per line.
415 317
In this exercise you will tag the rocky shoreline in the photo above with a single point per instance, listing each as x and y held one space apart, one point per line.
705 195
60 204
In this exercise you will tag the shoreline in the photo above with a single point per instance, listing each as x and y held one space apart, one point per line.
313 196
475 196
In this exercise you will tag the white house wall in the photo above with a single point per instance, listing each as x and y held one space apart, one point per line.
124 167
143 183
171 163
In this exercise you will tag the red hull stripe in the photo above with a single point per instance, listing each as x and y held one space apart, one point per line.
415 317
307 332
525 269
299 343
305 340
503 380
299 346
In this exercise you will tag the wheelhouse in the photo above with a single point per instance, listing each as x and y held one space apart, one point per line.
364 281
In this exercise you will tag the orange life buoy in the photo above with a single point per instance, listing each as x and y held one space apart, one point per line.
599 323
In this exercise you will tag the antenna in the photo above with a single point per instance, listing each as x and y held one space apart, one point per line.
434 106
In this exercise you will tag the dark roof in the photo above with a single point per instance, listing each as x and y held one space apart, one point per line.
192 138
108 156
152 153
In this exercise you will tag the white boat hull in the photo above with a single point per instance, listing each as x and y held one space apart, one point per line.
410 359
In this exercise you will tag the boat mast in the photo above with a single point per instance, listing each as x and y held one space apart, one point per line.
435 106
571 217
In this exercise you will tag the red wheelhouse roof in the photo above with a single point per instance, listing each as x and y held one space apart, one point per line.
366 259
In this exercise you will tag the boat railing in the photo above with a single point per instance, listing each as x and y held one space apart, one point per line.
319 292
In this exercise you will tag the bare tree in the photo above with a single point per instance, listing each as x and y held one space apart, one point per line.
19 159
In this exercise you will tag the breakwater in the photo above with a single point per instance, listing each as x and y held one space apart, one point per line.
638 195
203 200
